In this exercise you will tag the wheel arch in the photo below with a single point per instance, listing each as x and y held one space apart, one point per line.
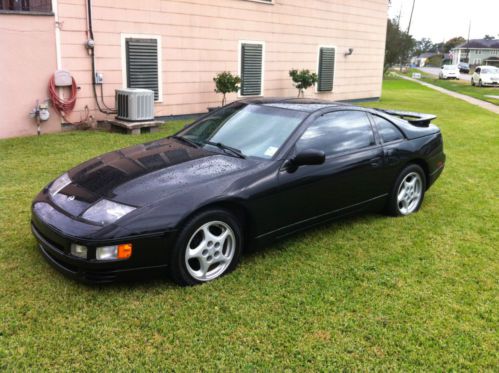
424 165
233 206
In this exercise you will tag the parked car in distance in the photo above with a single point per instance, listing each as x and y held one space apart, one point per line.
485 76
463 67
449 72
246 174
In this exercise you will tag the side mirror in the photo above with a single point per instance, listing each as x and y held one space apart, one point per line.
306 157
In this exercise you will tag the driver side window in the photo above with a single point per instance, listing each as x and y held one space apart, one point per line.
338 132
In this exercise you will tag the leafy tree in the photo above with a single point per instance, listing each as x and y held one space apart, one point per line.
302 80
398 44
452 43
225 83
489 37
423 46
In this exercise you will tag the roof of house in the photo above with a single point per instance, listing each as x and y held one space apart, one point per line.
480 43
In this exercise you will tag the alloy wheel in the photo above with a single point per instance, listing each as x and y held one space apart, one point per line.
409 193
210 250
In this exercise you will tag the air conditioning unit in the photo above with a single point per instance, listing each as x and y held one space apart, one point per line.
135 104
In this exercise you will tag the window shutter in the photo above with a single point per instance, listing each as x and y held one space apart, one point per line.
251 69
142 64
326 69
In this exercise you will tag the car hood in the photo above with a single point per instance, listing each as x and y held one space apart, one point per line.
142 174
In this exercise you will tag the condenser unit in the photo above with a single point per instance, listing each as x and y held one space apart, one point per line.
135 104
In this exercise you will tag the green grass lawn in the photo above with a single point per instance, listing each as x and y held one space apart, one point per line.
366 293
460 86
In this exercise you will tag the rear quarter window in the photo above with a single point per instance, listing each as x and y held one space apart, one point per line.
388 131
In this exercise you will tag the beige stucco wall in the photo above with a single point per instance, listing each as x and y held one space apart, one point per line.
200 38
27 60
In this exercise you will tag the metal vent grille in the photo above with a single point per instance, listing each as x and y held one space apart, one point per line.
135 104
251 69
326 69
142 64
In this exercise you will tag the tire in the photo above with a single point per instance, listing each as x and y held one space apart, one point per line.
480 83
214 256
404 200
472 82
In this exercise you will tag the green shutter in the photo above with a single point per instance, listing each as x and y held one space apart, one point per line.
326 69
142 64
251 69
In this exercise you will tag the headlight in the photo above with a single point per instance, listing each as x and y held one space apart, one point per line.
106 212
59 183
79 251
123 251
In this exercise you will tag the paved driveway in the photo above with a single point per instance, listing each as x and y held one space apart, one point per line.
435 70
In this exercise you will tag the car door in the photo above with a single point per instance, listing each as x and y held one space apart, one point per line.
348 177
476 75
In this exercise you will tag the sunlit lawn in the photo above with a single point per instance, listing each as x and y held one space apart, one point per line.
366 293
462 86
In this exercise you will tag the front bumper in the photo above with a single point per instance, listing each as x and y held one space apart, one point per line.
149 255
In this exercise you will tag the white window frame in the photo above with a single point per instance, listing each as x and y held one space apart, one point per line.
124 77
318 64
239 63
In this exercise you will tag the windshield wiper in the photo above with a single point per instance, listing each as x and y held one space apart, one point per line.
226 148
185 140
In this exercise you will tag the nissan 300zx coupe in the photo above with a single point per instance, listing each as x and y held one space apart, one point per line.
246 174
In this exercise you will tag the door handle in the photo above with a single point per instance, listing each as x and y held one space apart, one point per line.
389 152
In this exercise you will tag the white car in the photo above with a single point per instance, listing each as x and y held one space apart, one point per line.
449 72
485 75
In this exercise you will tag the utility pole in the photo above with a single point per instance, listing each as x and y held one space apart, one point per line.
410 19
468 45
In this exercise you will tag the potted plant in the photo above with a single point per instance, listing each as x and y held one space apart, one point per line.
225 83
302 80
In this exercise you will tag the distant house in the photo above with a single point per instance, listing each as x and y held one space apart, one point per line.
477 52
176 47
423 58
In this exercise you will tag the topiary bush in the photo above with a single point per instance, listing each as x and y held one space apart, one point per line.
225 83
302 80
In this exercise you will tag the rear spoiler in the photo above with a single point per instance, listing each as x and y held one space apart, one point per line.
417 119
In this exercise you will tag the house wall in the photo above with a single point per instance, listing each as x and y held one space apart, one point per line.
27 61
476 56
200 38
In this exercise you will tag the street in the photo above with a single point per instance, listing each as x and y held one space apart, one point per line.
435 70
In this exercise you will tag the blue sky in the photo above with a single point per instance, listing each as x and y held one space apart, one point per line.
441 20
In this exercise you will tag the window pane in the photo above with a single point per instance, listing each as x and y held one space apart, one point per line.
338 132
387 131
256 130
44 6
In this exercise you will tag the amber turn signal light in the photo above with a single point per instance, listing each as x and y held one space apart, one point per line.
124 251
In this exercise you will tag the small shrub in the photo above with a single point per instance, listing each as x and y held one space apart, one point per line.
225 83
302 80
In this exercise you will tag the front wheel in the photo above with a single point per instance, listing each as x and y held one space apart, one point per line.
209 246
472 82
480 84
408 192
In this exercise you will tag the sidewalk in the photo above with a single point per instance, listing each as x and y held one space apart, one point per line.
483 104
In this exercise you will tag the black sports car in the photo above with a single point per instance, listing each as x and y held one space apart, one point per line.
245 174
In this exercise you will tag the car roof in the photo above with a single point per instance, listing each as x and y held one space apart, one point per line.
308 105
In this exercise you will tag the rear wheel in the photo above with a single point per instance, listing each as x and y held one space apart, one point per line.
480 83
209 246
408 192
472 82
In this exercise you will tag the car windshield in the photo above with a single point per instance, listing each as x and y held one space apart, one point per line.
450 67
490 70
253 130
